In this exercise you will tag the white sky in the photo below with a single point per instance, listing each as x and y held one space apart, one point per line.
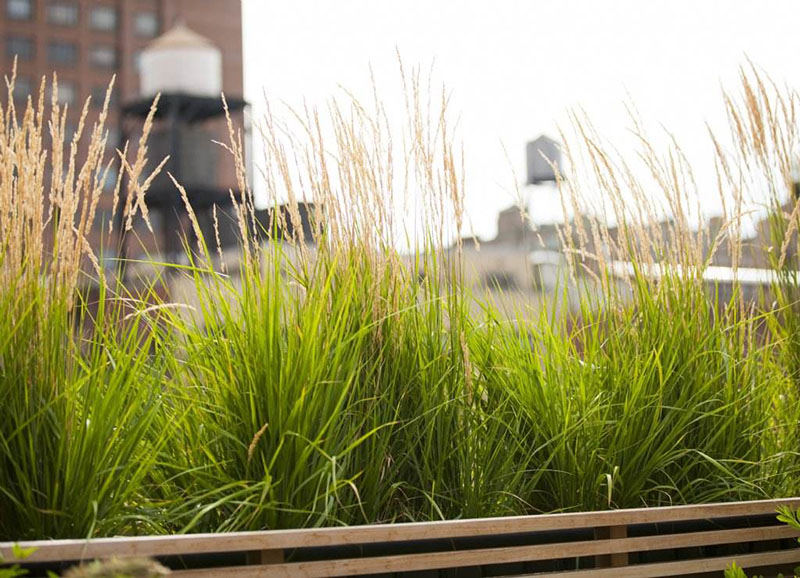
516 67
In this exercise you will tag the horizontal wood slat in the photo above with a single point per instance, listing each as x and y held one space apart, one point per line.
463 558
57 550
681 568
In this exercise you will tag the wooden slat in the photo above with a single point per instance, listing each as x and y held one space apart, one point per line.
265 557
56 550
681 568
477 557
611 533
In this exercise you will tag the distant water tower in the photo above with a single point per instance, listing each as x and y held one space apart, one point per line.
540 153
181 61
186 69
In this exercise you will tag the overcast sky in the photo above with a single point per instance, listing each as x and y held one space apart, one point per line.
517 67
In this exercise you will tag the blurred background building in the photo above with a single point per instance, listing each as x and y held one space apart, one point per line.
190 51
87 41
522 267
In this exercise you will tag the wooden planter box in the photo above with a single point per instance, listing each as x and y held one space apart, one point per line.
670 541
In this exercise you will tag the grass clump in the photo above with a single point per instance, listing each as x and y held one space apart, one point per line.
81 392
321 376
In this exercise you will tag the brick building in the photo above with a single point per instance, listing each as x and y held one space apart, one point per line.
87 41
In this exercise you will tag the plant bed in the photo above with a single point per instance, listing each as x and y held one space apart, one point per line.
338 381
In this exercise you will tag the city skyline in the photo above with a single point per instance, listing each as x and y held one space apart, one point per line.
515 69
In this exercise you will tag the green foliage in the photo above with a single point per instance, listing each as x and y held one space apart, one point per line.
78 434
789 517
20 554
342 382
733 571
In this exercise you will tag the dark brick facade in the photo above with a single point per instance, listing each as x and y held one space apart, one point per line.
87 41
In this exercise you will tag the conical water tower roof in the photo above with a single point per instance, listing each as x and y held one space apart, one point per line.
180 36
181 61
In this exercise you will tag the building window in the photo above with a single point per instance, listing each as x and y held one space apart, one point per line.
108 258
110 182
537 278
19 9
62 53
146 24
99 97
62 13
103 18
137 60
23 88
103 56
113 139
22 48
500 280
67 93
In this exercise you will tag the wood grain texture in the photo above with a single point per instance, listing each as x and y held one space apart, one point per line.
265 557
463 558
681 568
608 533
56 550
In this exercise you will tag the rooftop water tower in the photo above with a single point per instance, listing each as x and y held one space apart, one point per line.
185 68
540 153
181 61
543 160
